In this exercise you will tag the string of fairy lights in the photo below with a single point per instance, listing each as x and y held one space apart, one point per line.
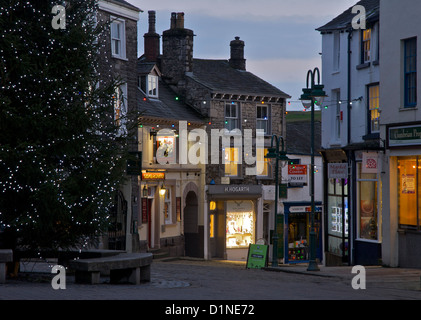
56 93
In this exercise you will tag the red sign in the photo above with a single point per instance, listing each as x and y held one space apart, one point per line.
297 169
297 174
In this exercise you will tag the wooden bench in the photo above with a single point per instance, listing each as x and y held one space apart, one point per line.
6 255
126 267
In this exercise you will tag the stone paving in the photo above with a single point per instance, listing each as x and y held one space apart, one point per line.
186 279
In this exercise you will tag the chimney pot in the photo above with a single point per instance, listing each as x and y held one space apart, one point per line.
151 39
173 20
180 20
152 21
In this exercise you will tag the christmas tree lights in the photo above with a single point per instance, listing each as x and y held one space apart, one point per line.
61 154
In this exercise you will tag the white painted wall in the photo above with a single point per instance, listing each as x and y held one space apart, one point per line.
338 80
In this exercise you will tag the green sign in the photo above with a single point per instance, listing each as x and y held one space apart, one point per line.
404 136
258 256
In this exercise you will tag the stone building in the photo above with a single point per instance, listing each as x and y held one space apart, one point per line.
171 189
118 58
238 204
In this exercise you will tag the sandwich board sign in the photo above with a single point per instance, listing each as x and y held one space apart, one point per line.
257 257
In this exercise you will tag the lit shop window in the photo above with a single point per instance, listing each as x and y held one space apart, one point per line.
409 192
240 224
367 193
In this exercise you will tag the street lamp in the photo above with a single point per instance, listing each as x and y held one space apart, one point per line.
311 96
274 153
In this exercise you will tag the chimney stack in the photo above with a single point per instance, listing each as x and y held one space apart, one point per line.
151 40
237 60
177 50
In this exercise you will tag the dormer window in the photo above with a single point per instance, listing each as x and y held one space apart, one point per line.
149 85
153 86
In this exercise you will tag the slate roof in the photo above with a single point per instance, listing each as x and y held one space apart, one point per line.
298 139
167 107
220 77
344 20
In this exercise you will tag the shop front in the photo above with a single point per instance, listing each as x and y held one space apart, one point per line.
298 217
336 216
233 211
402 197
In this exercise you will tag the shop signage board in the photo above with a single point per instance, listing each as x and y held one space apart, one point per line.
297 174
405 136
257 257
153 175
370 163
337 171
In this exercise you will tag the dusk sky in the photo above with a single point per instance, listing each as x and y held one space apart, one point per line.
281 43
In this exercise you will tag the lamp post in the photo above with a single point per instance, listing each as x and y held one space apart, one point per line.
274 153
312 95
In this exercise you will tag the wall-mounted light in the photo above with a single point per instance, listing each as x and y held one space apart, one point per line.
145 191
162 191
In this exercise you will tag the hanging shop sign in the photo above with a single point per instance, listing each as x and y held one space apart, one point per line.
297 174
166 149
337 171
257 256
370 162
153 175
404 136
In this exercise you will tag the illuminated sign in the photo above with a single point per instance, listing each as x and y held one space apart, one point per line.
153 175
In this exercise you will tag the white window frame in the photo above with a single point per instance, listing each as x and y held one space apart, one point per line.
121 39
232 119
152 86
168 202
121 106
265 119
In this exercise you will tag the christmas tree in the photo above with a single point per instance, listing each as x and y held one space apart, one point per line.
62 152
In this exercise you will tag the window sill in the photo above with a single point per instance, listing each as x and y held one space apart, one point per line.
266 178
368 240
413 231
120 58
408 108
363 66
372 136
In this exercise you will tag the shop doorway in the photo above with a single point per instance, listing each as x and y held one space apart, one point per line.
297 236
193 238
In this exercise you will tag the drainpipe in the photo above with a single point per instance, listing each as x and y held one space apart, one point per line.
350 181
